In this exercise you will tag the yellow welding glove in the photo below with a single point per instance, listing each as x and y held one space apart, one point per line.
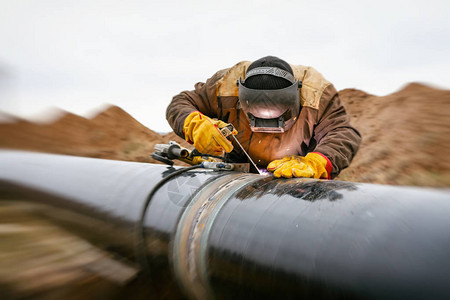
313 165
204 133
196 160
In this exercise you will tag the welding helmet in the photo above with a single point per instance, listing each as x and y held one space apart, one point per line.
270 96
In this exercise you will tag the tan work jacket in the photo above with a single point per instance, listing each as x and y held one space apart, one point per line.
322 126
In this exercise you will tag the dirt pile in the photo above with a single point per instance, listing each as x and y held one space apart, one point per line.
406 136
112 134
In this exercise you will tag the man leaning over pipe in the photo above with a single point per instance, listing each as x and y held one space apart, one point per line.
288 118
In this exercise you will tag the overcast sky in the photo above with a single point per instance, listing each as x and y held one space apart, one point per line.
78 55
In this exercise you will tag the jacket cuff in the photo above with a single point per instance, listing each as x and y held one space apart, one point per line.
329 166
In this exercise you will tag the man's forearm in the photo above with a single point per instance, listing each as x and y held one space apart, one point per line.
339 146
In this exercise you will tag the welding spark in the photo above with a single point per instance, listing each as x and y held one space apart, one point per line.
263 172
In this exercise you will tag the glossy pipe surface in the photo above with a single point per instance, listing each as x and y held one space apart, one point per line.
242 235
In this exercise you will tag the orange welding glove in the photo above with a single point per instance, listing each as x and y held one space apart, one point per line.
313 165
205 134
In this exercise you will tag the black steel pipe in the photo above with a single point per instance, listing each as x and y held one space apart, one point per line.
227 234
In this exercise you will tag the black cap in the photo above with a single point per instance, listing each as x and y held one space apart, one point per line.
265 81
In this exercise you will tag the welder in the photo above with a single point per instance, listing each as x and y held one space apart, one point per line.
287 118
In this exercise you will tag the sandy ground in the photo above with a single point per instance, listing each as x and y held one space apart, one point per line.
406 136
112 134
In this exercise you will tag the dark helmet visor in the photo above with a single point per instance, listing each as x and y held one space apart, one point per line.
270 110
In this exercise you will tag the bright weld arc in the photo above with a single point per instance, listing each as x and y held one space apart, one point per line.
263 172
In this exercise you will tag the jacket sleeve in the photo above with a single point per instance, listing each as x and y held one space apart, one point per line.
335 137
203 99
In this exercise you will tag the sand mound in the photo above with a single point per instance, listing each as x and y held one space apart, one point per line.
112 134
406 136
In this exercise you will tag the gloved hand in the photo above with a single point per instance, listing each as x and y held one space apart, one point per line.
204 133
313 165
196 160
